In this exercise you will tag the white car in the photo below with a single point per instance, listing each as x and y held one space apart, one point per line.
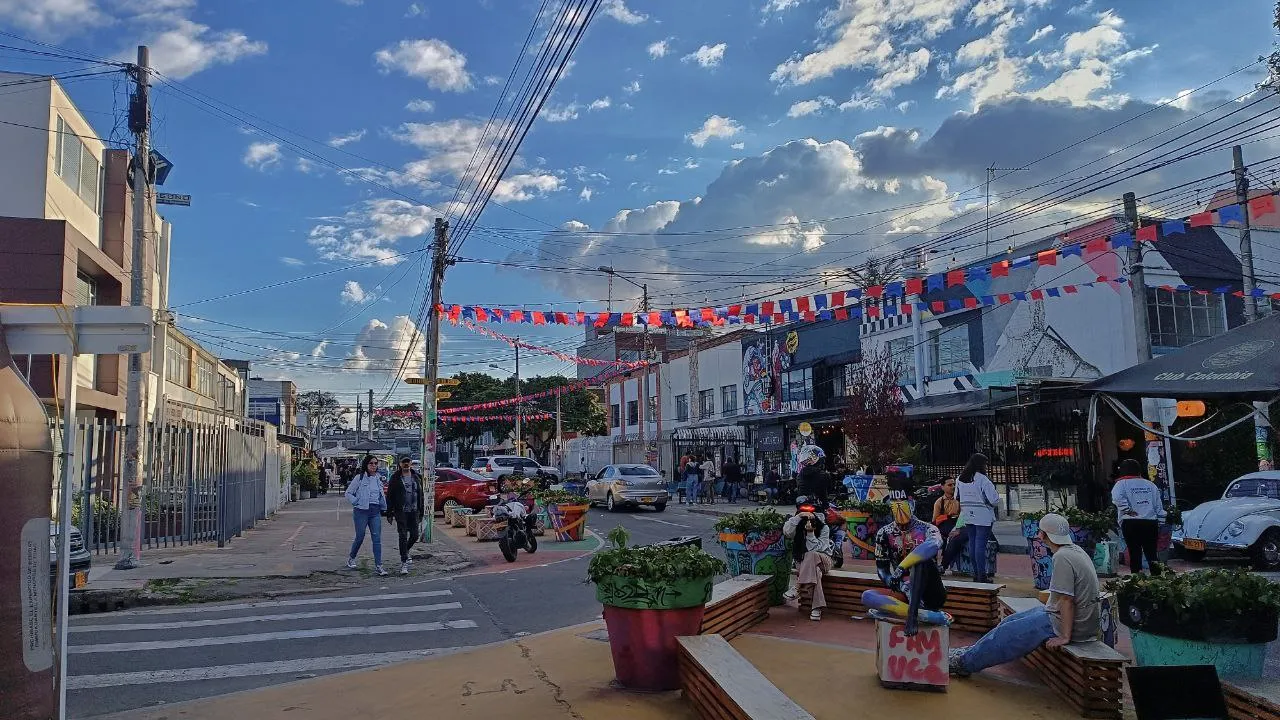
498 466
1245 522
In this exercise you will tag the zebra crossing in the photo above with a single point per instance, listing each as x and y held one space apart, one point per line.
135 658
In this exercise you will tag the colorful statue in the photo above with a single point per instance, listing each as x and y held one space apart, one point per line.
906 560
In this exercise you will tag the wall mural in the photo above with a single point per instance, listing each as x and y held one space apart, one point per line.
764 360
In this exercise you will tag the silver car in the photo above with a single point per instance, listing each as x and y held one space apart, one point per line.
628 485
1245 522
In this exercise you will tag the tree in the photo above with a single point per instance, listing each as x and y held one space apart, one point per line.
875 272
873 414
475 388
580 411
386 423
1273 60
324 413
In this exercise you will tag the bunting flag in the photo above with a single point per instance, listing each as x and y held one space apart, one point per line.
493 418
480 314
568 388
847 304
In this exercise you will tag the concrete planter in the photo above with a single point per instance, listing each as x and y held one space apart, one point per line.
861 529
644 619
1238 660
759 553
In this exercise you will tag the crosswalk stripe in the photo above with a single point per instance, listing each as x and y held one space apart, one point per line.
188 609
183 624
337 662
272 636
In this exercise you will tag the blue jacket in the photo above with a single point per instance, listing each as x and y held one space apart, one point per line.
365 492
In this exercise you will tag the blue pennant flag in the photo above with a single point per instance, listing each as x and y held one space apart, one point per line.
1231 213
819 301
954 304
922 307
937 281
855 313
1173 227
890 310
784 306
1052 292
824 315
1069 250
1122 240
893 290
1020 296
1021 262
855 293
753 309
988 300
977 272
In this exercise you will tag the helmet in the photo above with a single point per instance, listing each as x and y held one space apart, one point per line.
810 455
805 504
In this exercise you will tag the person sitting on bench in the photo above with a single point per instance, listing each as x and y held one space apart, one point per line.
1071 615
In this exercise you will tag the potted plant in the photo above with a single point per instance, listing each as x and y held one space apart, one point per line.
651 595
567 512
754 544
863 518
1220 617
1087 530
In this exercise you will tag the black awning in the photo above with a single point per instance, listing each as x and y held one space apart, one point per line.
1243 363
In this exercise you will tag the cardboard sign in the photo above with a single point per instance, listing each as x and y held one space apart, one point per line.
912 663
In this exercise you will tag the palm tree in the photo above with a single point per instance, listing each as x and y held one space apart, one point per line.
875 272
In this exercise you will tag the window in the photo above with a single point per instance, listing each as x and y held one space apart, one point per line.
177 367
77 165
706 403
797 386
949 351
637 471
1178 319
616 415
682 408
729 400
204 378
86 290
903 351
633 412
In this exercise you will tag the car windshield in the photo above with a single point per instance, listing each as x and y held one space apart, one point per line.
642 470
460 474
1254 487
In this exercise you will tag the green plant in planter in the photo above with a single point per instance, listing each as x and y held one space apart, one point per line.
1224 605
559 497
1100 524
307 476
750 521
648 577
874 508
1173 516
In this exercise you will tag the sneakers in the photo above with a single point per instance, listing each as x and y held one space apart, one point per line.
955 664
409 563
381 571
351 563
791 595
404 568
815 615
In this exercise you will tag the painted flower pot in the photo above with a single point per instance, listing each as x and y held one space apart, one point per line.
644 619
964 563
569 522
1232 660
860 529
759 553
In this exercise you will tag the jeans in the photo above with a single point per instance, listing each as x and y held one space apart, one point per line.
978 536
407 529
731 491
372 520
1015 637
695 490
1140 539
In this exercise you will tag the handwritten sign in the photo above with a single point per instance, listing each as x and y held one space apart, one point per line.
918 662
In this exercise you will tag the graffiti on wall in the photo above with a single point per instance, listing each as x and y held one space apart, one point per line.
764 360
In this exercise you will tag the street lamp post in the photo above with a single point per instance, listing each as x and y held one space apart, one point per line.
644 390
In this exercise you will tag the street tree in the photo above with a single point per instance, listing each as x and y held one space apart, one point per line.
398 422
580 411
475 388
324 413
875 272
873 415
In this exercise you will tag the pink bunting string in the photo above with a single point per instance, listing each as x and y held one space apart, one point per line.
563 389
562 356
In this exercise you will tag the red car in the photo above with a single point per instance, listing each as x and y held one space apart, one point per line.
455 486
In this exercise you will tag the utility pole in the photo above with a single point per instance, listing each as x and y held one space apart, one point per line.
519 407
359 417
439 262
1261 428
1137 282
136 389
371 416
644 389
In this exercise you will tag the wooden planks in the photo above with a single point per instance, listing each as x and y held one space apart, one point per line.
723 685
1087 675
735 605
1252 699
974 606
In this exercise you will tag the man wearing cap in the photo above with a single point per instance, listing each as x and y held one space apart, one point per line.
1071 615
406 504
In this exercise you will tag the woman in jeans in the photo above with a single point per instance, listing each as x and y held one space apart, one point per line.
367 506
978 503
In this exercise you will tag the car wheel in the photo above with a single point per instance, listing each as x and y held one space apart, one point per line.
450 503
1266 552
609 503
660 507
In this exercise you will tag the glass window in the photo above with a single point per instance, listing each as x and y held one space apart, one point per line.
706 403
57 146
797 386
949 351
615 412
682 408
71 156
177 368
729 400
652 417
637 470
204 378
903 351
88 189
1254 487
633 412
1178 319
86 290
78 167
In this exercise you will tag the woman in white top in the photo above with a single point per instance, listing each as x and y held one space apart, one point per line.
367 506
978 503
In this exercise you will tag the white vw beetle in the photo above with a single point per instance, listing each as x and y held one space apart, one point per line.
1246 521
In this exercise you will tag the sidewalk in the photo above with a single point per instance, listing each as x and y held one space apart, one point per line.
487 556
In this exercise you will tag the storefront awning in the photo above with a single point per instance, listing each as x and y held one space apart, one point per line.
962 404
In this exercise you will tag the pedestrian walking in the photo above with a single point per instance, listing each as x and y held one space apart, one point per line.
691 484
367 506
978 503
1141 510
732 472
708 468
406 503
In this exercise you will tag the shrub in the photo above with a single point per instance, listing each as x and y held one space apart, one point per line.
663 563
748 521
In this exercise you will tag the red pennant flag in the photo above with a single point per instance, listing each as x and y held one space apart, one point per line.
482 315
915 286
749 319
955 277
1004 298
808 315
1037 294
581 317
971 302
873 311
655 319
874 291
1096 246
602 319
837 298
766 307
562 318
708 314
628 319
1047 257
1070 289
802 304
779 318
1262 205
1148 234
735 310
1000 269
719 321
517 315
539 318
842 313
938 306
439 309
1204 219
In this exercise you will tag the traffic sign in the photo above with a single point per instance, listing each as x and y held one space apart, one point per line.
443 395
173 199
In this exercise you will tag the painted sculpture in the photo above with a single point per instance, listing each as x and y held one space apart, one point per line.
906 561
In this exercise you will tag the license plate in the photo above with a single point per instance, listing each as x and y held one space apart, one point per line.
1193 544
648 500
79 580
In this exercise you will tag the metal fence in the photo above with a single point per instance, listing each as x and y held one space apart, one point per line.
205 480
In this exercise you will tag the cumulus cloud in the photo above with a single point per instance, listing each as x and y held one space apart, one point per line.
600 104
352 293
318 351
526 186
292 261
372 231
395 349
422 106
738 145
585 195
561 113
1040 34
619 11
659 49
434 61
810 107
632 87
346 139
707 56
714 127
262 155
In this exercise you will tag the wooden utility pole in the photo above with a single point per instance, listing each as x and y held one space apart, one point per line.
1261 428
439 261
1137 281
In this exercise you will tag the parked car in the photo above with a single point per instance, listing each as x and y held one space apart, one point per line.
628 485
1244 523
551 472
455 486
499 466
81 558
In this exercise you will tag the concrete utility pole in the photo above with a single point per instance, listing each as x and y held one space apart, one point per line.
1137 282
370 416
359 417
1261 428
519 407
136 389
644 389
439 261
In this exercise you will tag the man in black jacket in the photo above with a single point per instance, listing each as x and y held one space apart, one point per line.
406 504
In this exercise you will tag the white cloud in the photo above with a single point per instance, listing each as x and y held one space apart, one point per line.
618 10
900 70
181 48
585 195
415 10
714 127
372 231
1039 34
564 113
860 101
344 140
352 293
292 261
52 19
659 49
810 107
395 349
262 155
778 6
632 87
526 186
600 104
707 56
492 80
738 146
431 60
1182 100
318 351
1104 38
422 106
305 165
904 106
632 157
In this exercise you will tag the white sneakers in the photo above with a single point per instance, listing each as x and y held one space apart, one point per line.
404 568
791 595
381 571
815 615
351 563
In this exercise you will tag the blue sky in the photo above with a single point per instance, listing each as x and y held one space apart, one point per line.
782 116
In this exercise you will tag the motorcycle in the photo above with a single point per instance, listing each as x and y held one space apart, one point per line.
521 523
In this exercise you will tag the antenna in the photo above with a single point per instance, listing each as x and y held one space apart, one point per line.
991 175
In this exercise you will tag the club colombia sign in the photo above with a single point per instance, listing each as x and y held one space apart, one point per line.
1233 356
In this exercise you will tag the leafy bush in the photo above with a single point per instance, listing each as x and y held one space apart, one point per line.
664 563
559 497
307 476
1100 524
748 521
106 521
515 482
1222 597
874 508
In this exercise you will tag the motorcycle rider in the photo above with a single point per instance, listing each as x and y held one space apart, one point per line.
922 584
813 481
813 554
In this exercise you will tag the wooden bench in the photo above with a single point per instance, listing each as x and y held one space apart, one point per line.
1088 675
735 605
1252 699
974 606
723 685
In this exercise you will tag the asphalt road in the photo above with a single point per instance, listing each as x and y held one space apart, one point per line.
143 658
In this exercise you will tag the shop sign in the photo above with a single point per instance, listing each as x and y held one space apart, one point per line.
770 438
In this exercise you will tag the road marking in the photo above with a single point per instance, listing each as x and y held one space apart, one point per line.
664 522
273 636
181 624
185 609
338 662
294 536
